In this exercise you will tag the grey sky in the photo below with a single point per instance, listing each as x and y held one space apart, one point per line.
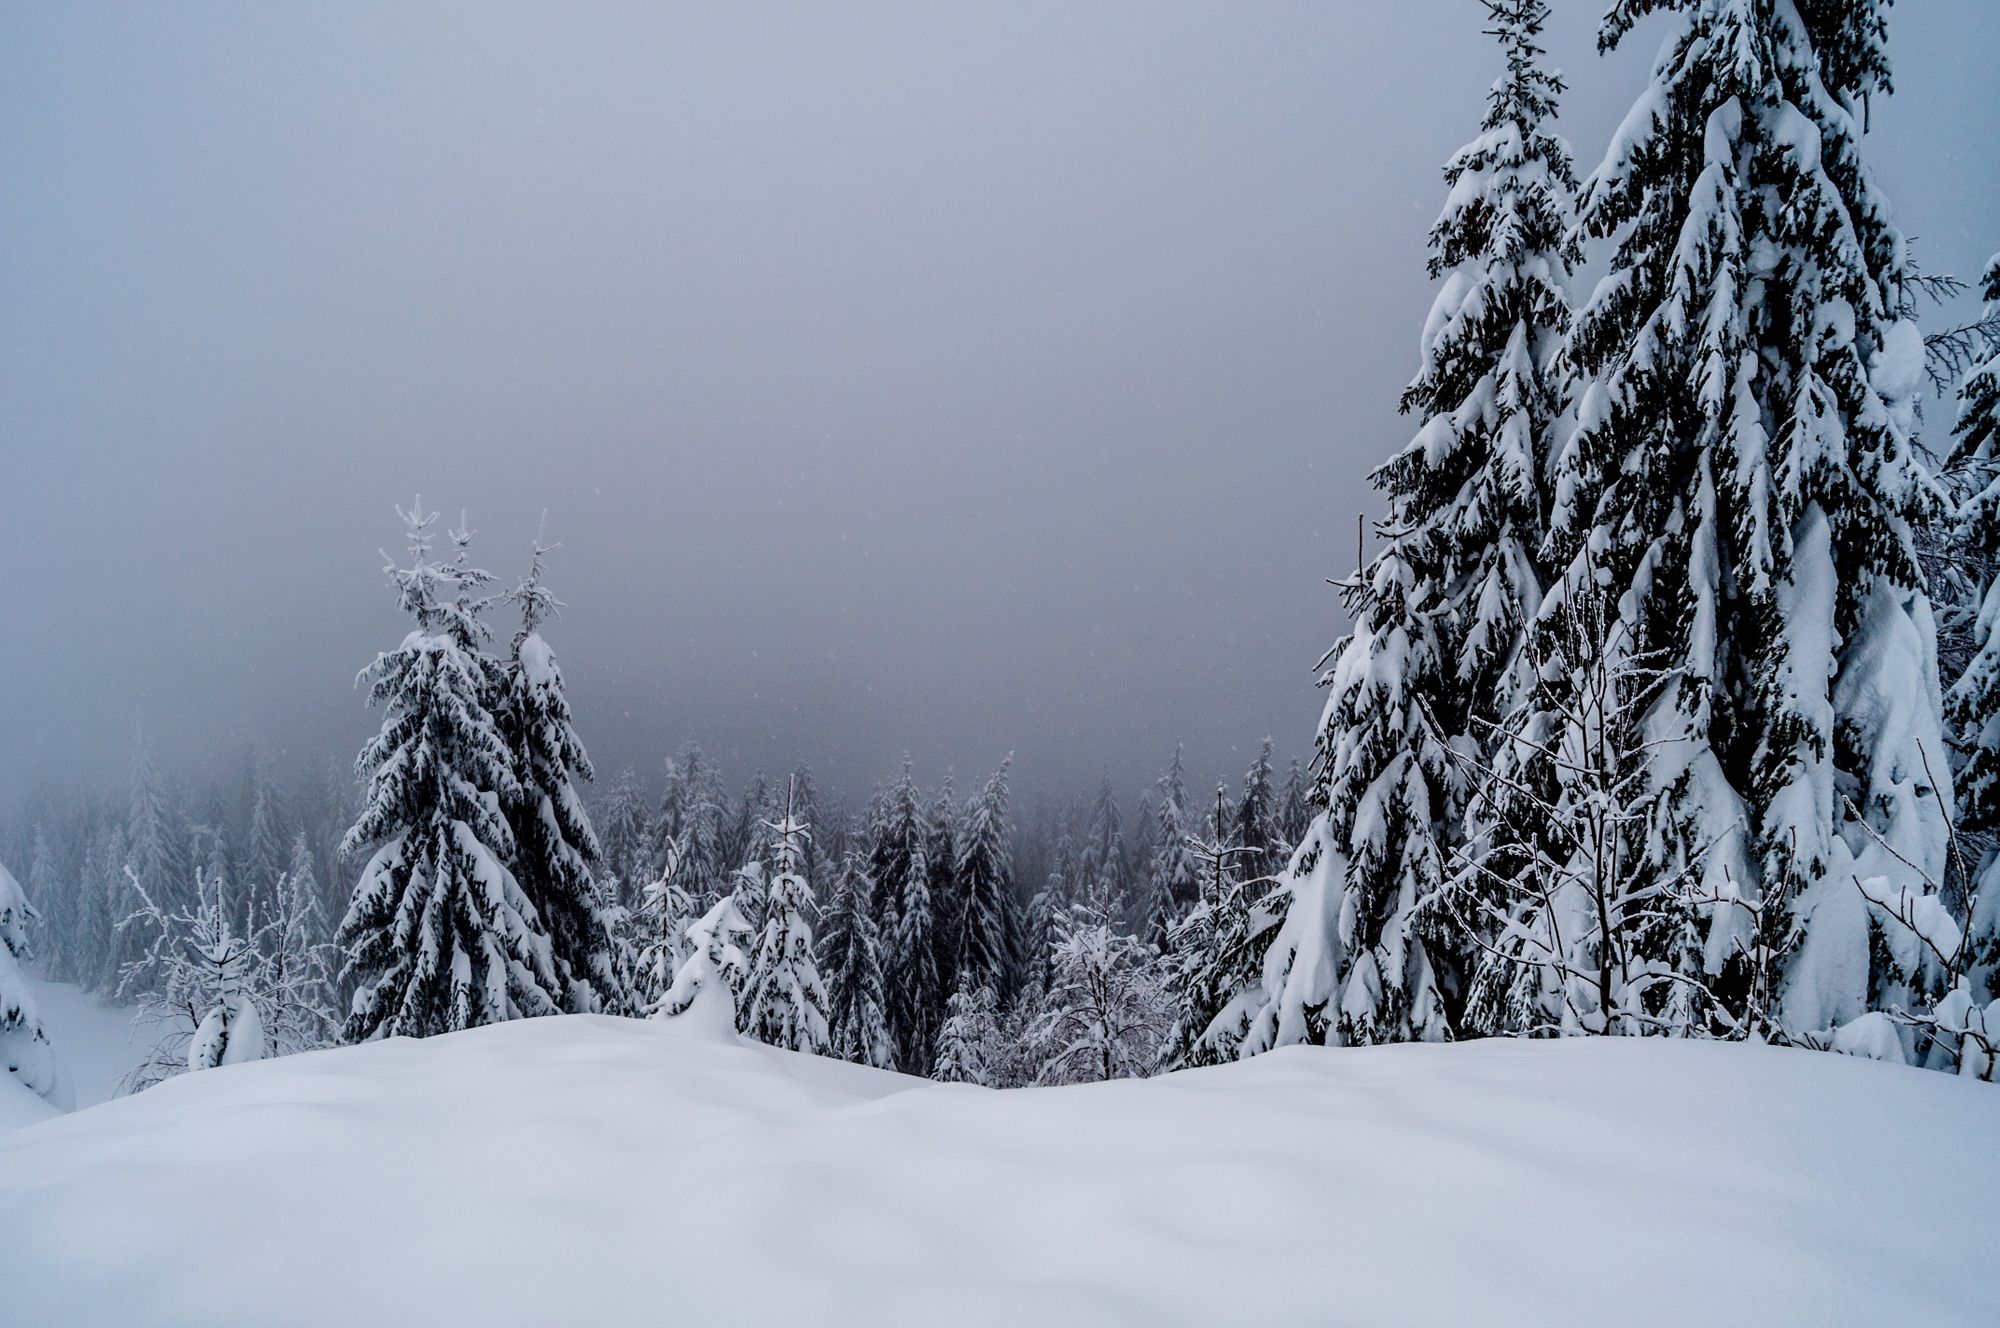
958 378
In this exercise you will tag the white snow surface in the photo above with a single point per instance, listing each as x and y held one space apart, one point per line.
97 1041
586 1169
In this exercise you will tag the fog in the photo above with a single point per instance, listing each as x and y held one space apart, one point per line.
932 377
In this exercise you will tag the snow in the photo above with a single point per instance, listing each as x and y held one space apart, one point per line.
21 1105
588 1169
97 1042
1897 373
538 662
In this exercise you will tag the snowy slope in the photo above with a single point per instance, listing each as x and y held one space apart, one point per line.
97 1042
595 1170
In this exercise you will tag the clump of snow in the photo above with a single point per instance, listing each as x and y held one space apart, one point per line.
702 999
1873 1036
587 1169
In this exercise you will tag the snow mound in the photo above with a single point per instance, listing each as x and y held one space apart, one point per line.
595 1170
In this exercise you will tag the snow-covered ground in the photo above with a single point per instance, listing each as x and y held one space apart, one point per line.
97 1041
595 1170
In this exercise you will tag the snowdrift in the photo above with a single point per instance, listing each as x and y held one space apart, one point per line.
593 1170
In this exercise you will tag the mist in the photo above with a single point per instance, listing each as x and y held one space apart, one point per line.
942 379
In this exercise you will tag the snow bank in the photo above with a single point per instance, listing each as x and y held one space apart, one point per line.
595 1170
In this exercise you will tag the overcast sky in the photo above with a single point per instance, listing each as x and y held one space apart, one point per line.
943 377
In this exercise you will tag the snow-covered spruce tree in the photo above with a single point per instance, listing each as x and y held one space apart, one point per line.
555 847
786 999
1105 863
900 868
1974 700
25 1050
439 934
967 1038
850 958
1139 899
1175 876
52 897
298 961
268 853
691 815
750 887
156 842
1045 910
1215 951
1743 478
985 878
1257 815
744 834
1105 1015
625 835
100 886
1439 612
665 910
1294 805
705 987
941 850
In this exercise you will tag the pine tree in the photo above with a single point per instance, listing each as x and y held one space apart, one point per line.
743 839
1974 701
665 911
805 799
52 900
1257 815
1139 863
25 1050
1104 865
691 813
787 1005
1439 612
156 842
1743 484
985 878
213 852
268 854
967 1038
555 847
101 883
946 890
1176 883
1216 951
850 957
439 933
1045 911
625 835
299 960
1294 806
899 865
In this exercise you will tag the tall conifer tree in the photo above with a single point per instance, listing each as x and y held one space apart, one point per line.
1439 612
1743 485
439 934
985 877
555 847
